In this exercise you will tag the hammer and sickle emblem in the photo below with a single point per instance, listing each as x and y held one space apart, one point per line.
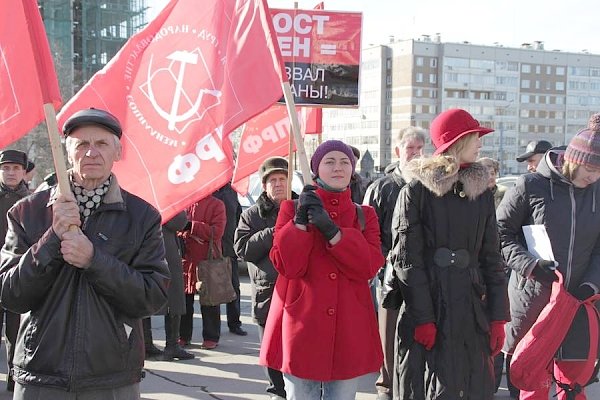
172 117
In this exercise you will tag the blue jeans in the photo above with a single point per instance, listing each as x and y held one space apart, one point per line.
305 389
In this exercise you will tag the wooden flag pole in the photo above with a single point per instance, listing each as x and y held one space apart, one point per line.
302 158
57 151
291 165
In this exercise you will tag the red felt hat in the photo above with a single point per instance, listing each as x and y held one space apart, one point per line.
452 125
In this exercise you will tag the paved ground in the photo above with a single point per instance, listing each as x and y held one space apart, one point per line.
229 372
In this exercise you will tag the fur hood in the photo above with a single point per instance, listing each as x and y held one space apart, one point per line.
440 174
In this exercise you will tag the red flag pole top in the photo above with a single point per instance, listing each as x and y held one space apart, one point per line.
48 83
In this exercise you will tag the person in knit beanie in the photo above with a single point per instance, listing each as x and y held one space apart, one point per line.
327 147
582 156
322 330
562 196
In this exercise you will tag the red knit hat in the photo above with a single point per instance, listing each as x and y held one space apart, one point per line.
584 148
452 125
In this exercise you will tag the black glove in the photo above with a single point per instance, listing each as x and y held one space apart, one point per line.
307 198
319 218
583 292
544 271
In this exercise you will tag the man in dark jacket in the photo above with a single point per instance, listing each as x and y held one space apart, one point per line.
562 196
84 267
253 241
13 164
382 195
233 210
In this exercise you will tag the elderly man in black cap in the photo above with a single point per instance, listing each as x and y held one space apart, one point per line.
83 268
253 241
13 164
534 152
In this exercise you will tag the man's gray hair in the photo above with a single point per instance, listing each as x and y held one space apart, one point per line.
409 133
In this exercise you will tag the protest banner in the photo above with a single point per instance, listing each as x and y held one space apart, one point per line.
321 51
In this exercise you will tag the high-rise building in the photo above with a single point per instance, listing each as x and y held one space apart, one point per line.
85 34
525 94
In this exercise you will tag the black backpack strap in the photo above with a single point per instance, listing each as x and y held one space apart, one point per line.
360 214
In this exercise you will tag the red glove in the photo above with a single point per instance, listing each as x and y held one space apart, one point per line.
425 335
497 337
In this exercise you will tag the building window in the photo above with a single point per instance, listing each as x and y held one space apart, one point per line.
525 84
524 98
419 77
526 68
537 84
560 86
538 69
419 61
548 70
433 63
560 71
432 78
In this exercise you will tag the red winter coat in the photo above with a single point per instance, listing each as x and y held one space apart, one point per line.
205 214
322 323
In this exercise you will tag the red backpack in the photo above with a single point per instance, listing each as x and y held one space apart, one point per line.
531 367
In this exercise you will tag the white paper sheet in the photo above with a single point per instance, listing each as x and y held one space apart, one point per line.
538 242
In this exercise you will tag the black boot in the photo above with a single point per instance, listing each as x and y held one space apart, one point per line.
173 349
151 349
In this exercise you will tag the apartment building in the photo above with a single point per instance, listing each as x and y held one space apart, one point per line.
524 93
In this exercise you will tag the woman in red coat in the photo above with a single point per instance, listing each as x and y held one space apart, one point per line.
322 330
207 217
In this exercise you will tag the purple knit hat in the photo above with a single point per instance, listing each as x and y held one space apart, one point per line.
584 148
326 147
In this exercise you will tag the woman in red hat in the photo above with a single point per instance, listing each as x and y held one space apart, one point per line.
446 255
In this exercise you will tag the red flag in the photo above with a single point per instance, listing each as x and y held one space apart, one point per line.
313 120
27 76
266 135
179 87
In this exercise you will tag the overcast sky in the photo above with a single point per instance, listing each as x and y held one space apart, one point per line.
566 25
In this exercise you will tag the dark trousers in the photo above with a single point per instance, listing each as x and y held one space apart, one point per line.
11 329
499 363
233 308
275 378
387 319
211 321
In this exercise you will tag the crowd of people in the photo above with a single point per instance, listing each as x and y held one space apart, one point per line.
456 286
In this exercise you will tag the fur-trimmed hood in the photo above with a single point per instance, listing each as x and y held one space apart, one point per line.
440 174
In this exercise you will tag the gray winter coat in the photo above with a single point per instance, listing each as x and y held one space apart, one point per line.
446 255
572 221
253 241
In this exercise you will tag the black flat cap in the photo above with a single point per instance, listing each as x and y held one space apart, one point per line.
93 116
30 166
535 147
13 156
